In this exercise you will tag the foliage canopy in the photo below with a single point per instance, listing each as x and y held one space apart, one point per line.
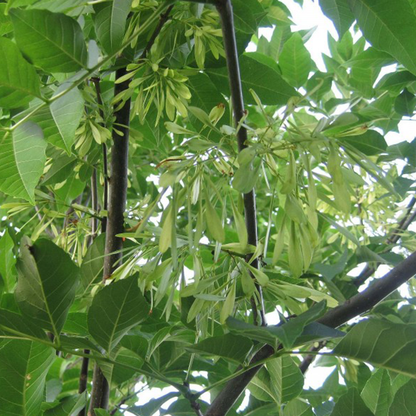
217 214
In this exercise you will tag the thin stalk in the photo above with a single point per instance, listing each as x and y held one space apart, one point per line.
225 11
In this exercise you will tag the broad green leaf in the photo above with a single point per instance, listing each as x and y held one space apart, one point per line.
47 280
395 82
110 21
23 369
93 262
67 112
52 41
390 27
19 83
62 166
228 346
115 309
286 333
298 408
351 404
69 406
381 343
404 401
295 61
370 143
377 393
14 324
340 14
268 83
244 18
22 159
287 379
405 103
7 260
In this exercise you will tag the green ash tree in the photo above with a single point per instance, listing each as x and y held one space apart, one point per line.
164 193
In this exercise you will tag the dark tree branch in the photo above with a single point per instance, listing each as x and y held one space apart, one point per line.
225 11
115 224
351 308
393 239
117 205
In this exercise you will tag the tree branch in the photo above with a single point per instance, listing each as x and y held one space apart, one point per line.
117 205
225 11
351 308
115 223
394 238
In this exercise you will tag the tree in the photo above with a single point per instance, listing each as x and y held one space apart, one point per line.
163 190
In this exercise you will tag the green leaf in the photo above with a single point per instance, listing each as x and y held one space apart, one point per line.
395 82
110 21
295 61
116 309
17 325
286 333
67 112
381 343
152 406
69 406
340 14
22 158
52 41
93 262
298 408
390 27
19 83
268 83
370 143
228 346
47 280
7 260
405 103
23 369
351 404
377 393
286 378
404 401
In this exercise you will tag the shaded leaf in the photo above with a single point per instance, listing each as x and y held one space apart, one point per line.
19 83
53 41
351 404
115 309
228 346
22 158
377 393
23 369
110 21
47 280
381 343
404 401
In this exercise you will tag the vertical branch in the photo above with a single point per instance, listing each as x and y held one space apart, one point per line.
115 224
117 201
225 11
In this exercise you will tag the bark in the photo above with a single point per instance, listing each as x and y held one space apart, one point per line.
115 223
225 11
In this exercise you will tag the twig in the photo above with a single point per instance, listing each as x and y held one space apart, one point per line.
225 11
